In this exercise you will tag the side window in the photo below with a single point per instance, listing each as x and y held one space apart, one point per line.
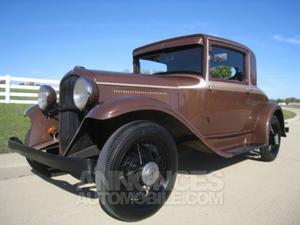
227 64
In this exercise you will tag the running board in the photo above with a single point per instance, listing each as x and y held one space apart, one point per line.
242 149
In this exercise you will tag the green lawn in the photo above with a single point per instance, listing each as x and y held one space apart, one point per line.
288 114
292 106
12 123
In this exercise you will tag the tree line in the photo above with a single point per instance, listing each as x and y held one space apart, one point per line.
286 100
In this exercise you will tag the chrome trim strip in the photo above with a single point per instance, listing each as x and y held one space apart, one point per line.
136 85
199 85
215 85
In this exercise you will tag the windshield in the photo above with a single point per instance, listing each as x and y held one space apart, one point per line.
180 60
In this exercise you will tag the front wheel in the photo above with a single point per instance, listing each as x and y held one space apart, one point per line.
136 170
269 153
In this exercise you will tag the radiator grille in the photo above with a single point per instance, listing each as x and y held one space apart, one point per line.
70 117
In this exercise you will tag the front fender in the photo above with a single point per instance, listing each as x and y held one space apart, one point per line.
128 104
39 127
125 104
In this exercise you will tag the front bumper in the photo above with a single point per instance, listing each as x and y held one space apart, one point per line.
75 166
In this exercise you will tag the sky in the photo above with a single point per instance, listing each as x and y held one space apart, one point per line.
46 39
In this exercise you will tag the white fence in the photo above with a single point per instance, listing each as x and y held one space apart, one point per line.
22 90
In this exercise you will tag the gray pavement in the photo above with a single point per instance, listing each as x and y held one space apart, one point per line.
241 190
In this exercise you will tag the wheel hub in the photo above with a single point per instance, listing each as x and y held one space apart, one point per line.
150 173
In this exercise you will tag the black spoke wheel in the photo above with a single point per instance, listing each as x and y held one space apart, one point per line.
269 153
136 170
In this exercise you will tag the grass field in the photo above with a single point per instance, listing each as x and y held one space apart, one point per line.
13 123
292 106
288 114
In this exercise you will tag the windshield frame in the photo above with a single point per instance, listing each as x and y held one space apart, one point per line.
137 58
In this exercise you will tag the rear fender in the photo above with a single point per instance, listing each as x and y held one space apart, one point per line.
262 128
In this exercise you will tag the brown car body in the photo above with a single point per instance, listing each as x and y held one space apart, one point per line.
225 117
130 123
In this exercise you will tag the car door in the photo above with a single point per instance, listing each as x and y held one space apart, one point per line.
228 98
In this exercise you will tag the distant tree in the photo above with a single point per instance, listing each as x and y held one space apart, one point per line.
30 83
278 100
222 72
291 99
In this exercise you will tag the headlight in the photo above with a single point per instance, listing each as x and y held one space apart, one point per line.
84 93
46 97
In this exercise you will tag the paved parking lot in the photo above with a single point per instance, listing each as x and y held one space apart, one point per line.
241 190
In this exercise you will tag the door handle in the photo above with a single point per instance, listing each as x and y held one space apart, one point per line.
249 90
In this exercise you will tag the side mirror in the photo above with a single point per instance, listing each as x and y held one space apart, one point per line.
233 71
221 57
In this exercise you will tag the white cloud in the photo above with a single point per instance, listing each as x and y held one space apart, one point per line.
291 40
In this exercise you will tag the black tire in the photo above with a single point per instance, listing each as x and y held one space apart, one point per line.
270 152
118 161
38 167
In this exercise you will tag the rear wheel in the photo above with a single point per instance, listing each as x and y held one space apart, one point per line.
136 170
38 167
269 153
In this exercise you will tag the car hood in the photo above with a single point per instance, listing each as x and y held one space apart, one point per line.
174 81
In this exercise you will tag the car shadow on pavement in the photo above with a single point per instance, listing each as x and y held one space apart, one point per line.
196 163
191 162
80 188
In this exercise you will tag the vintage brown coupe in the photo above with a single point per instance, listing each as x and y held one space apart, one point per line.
123 129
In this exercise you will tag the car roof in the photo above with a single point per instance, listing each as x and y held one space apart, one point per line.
183 41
